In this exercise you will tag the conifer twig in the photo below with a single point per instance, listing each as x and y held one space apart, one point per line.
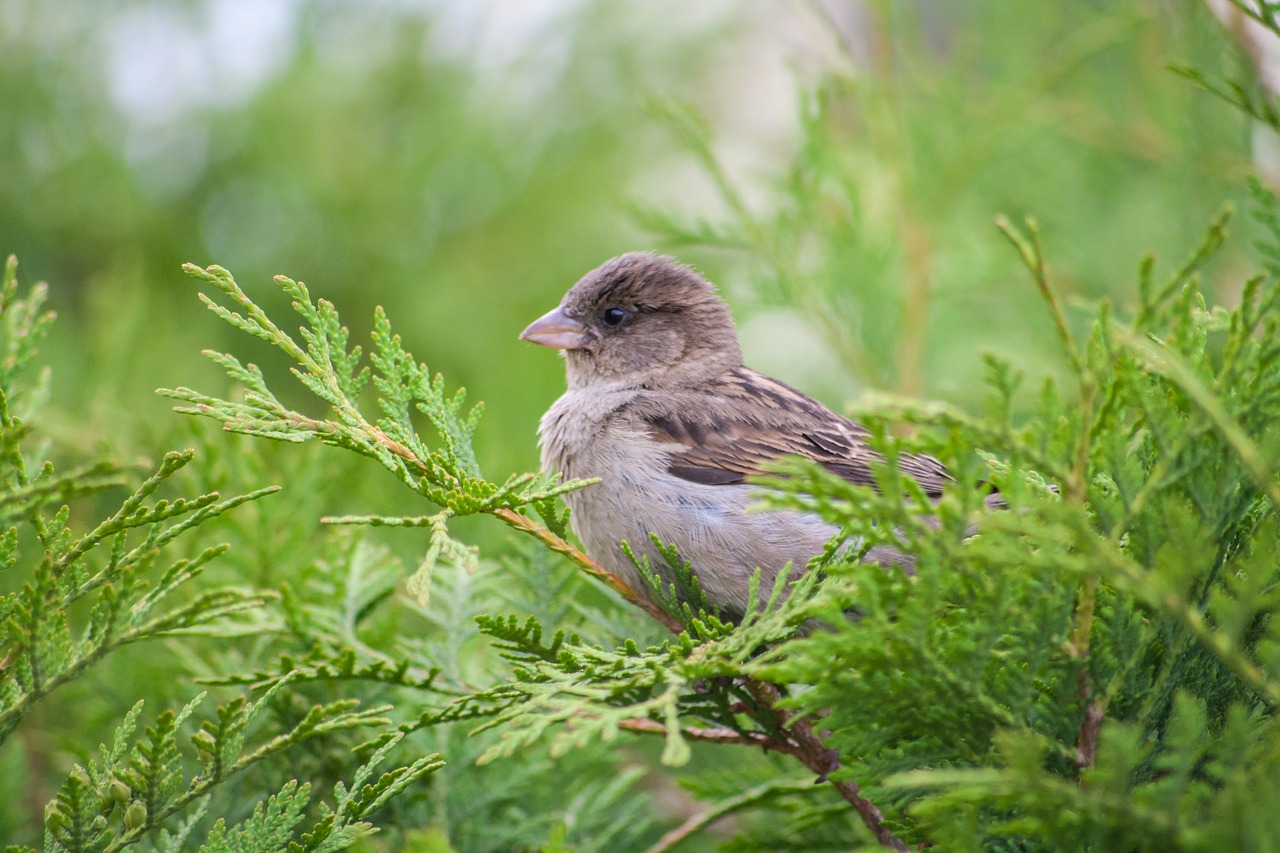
556 543
1087 741
715 735
822 760
797 740
704 819
1032 255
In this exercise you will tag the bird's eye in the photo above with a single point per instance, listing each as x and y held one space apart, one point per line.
613 315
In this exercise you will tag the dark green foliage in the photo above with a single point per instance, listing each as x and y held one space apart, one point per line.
133 591
1094 666
1087 655
1094 648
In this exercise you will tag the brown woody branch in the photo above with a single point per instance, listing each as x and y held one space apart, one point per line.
1087 741
798 738
822 761
716 735
527 525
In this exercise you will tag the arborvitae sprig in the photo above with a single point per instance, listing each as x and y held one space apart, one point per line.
41 651
1068 651
447 474
127 584
1250 97
133 789
344 665
577 693
41 648
681 597
25 325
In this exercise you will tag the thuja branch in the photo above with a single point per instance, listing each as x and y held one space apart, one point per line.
796 738
1032 255
822 761
320 720
715 735
561 546
445 473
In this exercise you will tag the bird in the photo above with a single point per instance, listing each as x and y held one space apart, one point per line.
661 408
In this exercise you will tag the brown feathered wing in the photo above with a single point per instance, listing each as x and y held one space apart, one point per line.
730 429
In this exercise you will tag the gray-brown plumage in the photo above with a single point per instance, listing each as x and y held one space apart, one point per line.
662 409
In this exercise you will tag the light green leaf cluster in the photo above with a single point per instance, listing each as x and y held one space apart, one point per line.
1121 588
85 594
447 474
1099 658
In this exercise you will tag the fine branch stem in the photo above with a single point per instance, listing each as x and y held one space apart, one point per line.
1087 740
800 740
556 543
822 761
703 819
715 735
527 525
1032 255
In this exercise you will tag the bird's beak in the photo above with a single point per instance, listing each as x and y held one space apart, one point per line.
557 330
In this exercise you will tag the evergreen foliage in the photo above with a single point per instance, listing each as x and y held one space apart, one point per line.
1094 666
1081 671
132 592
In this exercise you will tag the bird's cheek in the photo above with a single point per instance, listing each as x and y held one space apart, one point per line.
666 347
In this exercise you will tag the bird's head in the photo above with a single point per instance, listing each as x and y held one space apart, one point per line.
640 320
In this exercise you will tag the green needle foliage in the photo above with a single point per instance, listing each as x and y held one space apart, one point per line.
1096 666
1071 676
108 565
447 475
83 594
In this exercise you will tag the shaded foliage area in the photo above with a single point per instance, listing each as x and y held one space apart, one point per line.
1080 656
1096 667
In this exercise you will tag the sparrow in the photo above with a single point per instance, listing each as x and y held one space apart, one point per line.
661 408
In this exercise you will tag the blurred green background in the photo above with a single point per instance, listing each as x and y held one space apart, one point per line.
462 163
835 166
